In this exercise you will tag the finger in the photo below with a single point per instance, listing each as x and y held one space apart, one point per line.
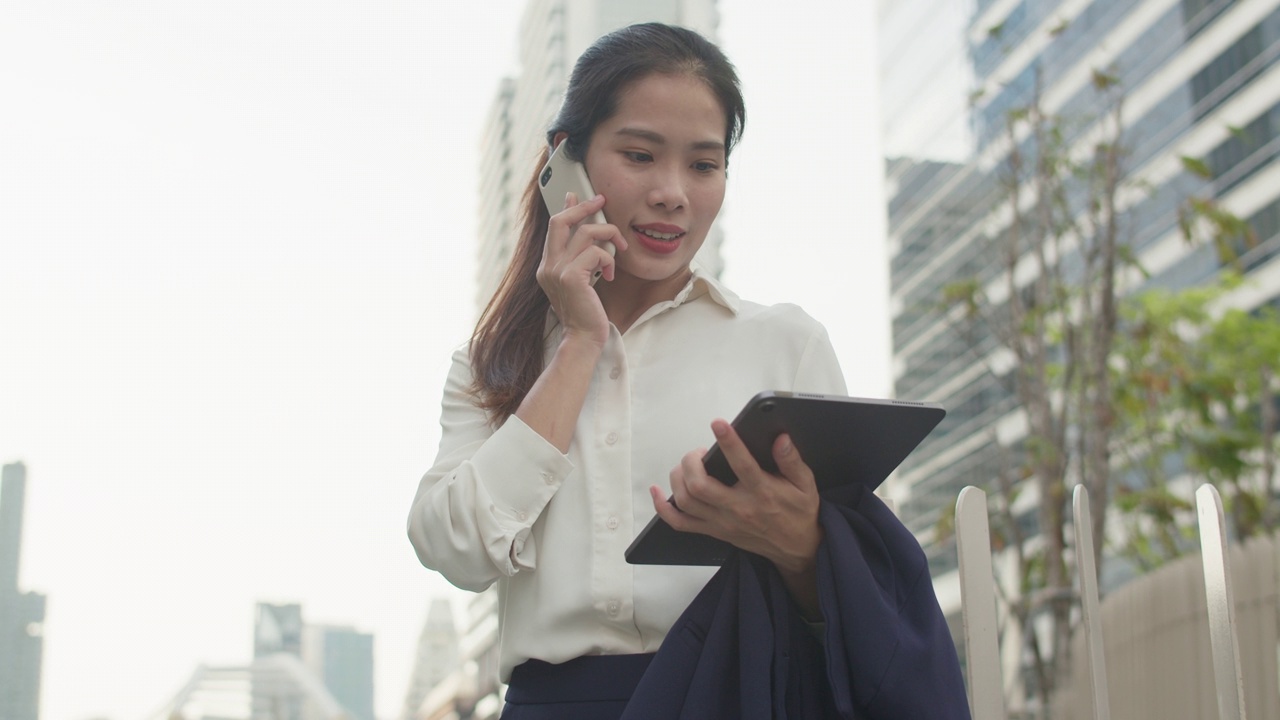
561 225
693 491
740 459
599 234
575 211
586 263
791 466
667 510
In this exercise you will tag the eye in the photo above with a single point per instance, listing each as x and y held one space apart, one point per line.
637 156
706 166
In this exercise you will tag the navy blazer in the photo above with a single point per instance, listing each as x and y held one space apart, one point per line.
742 650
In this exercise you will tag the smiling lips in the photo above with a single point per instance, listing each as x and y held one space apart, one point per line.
659 237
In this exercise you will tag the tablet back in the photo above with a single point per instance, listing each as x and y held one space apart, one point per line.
842 439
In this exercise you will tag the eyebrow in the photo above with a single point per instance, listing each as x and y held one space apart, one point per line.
659 139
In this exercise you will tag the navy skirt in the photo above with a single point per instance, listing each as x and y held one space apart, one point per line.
595 687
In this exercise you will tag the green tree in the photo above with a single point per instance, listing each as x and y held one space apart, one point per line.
1196 394
1055 322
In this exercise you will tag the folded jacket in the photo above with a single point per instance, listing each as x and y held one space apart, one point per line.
742 650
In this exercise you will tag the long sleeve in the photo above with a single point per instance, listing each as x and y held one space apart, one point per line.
474 509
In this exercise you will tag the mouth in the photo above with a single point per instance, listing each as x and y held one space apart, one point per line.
659 238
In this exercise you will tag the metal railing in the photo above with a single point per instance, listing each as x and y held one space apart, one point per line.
982 649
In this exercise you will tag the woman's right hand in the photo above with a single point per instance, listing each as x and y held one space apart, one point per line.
571 256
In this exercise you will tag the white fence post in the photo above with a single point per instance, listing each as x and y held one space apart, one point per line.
1087 569
978 600
1221 602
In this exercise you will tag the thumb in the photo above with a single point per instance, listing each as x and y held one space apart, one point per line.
791 465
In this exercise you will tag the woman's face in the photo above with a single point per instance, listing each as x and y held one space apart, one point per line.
660 163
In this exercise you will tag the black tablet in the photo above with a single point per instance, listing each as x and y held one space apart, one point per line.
842 439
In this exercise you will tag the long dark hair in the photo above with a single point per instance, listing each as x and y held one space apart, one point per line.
509 341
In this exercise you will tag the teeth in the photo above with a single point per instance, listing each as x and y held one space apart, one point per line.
660 236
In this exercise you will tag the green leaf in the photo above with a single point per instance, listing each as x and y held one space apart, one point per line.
1104 80
945 528
1197 167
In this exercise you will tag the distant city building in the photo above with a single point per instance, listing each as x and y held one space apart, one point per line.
342 659
437 655
553 33
1200 80
1193 71
21 614
471 689
277 629
299 672
272 687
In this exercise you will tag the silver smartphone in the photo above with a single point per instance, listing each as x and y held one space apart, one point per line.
561 176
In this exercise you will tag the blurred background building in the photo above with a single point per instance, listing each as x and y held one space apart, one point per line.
21 614
436 657
298 672
1200 80
341 658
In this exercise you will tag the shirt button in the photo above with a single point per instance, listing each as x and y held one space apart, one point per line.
611 438
614 606
615 372
520 515
613 523
548 478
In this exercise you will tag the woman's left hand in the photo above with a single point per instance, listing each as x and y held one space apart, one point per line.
775 516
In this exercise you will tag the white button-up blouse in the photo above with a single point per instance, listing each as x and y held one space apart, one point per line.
506 506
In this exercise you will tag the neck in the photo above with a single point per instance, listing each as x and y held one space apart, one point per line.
628 297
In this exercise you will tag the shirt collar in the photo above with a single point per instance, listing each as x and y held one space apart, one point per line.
702 283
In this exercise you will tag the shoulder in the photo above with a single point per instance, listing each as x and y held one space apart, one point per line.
781 317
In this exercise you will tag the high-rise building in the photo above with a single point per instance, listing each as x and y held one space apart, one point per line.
21 614
277 629
436 657
298 672
342 659
553 33
1199 78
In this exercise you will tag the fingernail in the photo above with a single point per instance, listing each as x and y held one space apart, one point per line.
719 428
786 448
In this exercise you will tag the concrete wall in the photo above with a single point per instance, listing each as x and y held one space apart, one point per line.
1156 638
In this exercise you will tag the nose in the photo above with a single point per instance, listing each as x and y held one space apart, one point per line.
668 189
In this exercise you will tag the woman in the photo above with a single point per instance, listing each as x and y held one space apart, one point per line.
577 409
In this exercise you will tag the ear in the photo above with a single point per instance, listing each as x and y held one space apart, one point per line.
559 138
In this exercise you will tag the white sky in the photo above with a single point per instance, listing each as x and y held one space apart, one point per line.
236 243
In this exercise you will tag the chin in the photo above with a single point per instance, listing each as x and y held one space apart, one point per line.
657 272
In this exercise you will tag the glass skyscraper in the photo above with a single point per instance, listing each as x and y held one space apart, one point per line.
1200 80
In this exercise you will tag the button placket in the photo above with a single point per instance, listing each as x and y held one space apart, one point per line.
611 583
